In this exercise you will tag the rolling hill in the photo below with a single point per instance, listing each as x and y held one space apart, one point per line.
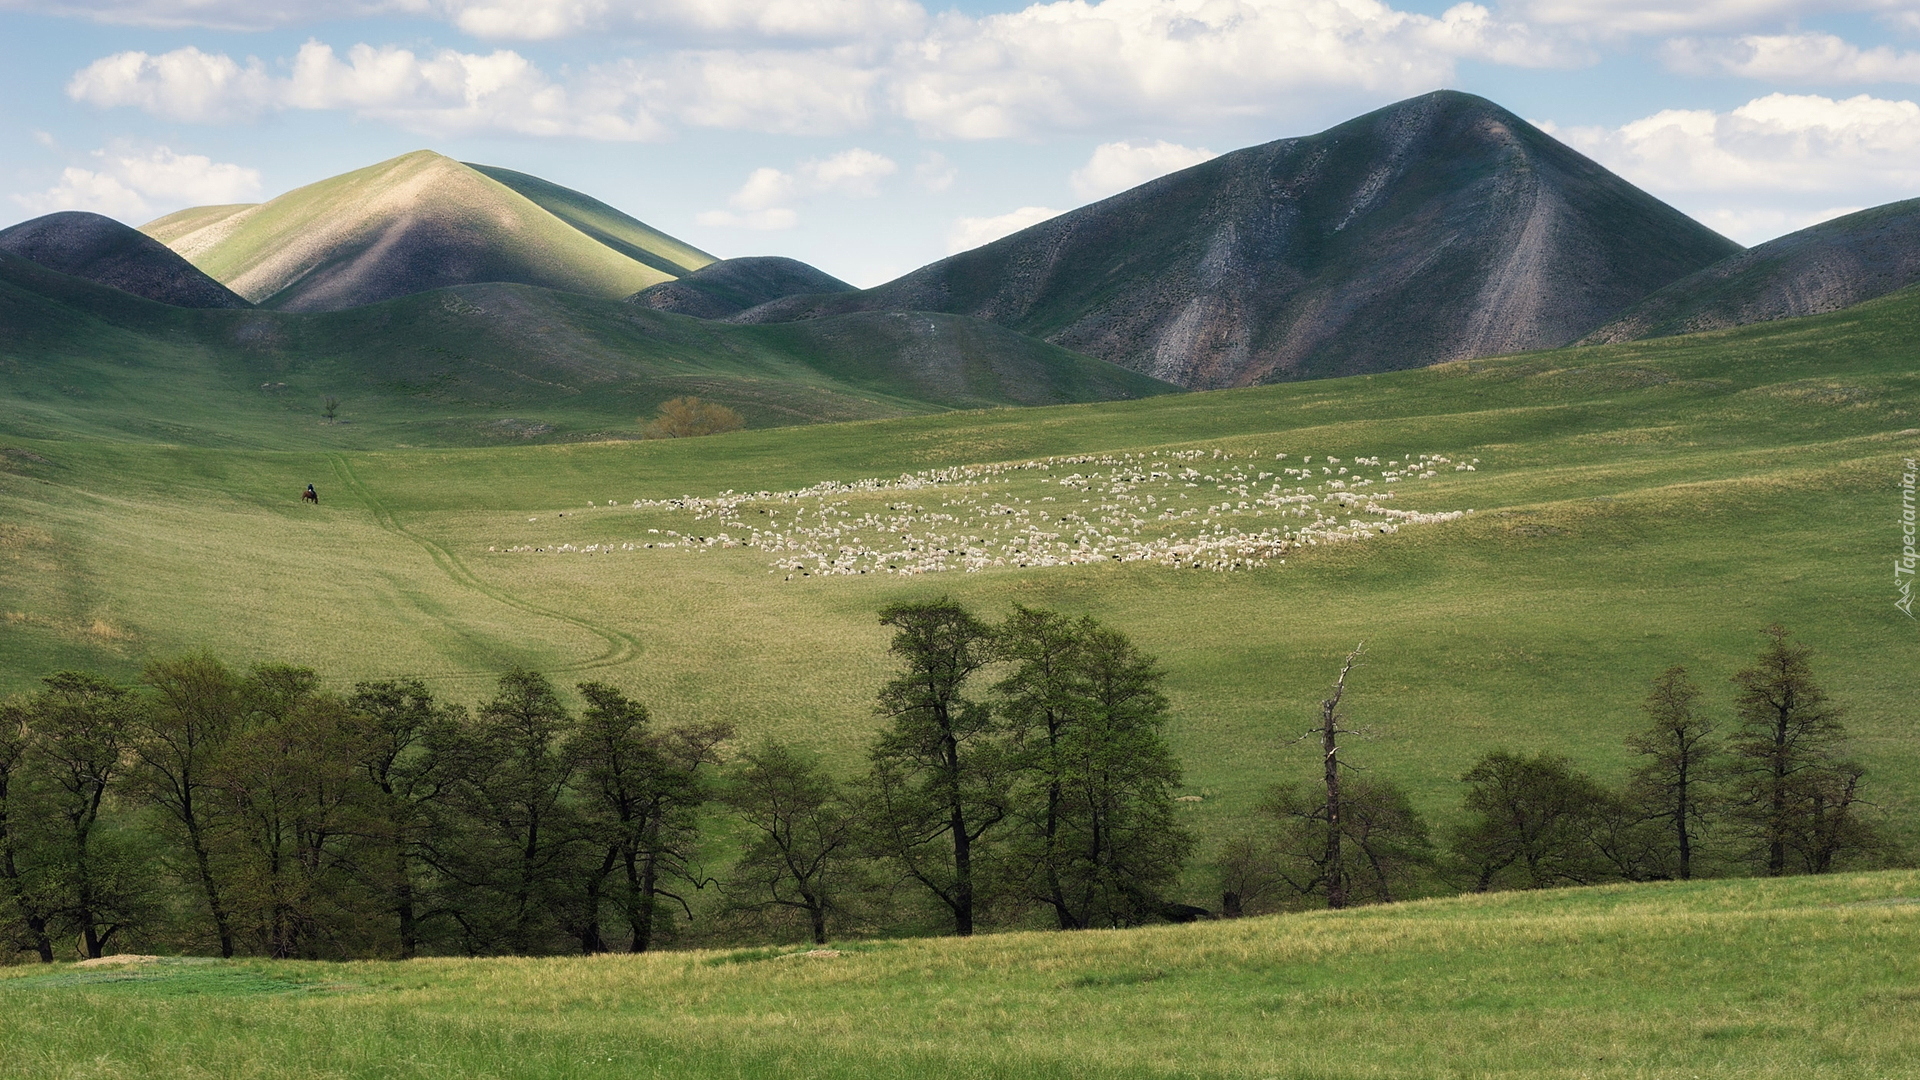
1437 229
731 286
102 250
416 223
1801 979
1634 506
1826 267
482 363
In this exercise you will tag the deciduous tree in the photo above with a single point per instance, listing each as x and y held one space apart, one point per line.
801 836
1097 839
641 791
197 704
81 729
1679 755
688 417
1790 788
403 734
938 785
1533 823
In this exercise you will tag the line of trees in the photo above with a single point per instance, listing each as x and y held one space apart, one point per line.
1773 792
1021 776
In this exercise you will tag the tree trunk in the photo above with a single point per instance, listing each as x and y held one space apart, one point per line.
1777 798
962 902
203 861
1336 867
1683 814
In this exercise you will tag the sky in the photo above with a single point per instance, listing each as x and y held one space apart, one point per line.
869 137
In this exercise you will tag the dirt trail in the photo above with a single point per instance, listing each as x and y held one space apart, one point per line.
621 647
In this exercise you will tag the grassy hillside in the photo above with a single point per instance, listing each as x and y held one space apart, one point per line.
1634 506
191 220
99 249
481 364
1756 980
731 286
417 222
631 237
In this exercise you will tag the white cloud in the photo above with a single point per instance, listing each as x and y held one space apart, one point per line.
971 232
1054 66
935 173
772 218
818 20
762 202
129 184
836 20
1663 17
1069 64
1775 161
185 84
1821 58
447 92
855 173
1117 166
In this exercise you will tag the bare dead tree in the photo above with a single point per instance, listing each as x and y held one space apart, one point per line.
1334 868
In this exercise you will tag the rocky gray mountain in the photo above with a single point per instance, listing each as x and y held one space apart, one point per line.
1436 229
1825 267
730 286
106 252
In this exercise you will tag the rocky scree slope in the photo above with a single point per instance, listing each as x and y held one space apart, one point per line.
1440 228
1825 267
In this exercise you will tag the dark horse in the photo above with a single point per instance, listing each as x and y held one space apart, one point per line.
310 495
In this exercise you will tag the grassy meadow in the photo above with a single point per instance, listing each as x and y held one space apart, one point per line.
1801 978
1634 506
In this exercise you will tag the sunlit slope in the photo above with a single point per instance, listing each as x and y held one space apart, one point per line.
1799 979
194 219
629 236
417 222
1635 506
484 363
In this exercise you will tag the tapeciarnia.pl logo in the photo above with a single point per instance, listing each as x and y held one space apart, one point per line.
1903 567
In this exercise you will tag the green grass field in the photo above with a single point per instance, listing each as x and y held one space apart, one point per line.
1634 506
1798 978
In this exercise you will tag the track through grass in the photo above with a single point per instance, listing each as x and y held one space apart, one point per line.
621 647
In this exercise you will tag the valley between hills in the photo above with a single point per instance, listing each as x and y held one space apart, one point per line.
1430 380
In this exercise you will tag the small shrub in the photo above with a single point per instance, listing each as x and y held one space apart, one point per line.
686 417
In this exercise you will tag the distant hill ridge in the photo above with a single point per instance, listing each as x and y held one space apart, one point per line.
476 363
106 252
1440 228
731 286
1825 267
417 222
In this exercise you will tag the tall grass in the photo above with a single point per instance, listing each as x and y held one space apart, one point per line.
1771 979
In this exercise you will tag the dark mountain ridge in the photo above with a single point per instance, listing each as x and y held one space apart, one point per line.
1825 267
1440 228
101 250
731 286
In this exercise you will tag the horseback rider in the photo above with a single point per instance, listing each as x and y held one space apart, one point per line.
310 495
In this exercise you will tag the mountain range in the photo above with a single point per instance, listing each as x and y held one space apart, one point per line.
1441 228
